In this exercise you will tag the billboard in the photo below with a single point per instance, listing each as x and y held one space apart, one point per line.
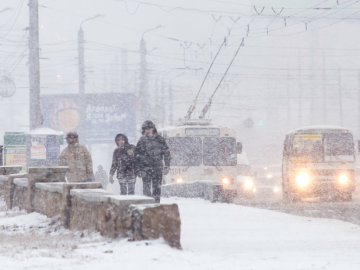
15 156
105 115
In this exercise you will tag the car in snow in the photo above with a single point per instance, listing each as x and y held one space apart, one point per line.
268 182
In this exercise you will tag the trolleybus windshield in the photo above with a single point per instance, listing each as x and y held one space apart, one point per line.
185 151
220 151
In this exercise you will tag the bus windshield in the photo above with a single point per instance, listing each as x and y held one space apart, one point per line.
220 151
185 151
323 147
308 146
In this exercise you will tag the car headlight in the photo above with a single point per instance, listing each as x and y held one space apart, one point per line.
249 184
179 180
343 179
302 179
225 181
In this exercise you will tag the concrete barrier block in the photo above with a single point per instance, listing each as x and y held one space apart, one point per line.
48 198
48 174
155 221
89 209
7 170
67 203
10 188
19 193
3 186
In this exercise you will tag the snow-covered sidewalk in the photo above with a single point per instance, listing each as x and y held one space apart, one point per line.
214 236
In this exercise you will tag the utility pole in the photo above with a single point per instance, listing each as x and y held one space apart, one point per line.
300 100
340 97
145 112
288 99
171 105
81 63
314 118
358 106
324 94
34 65
162 102
143 91
124 72
115 74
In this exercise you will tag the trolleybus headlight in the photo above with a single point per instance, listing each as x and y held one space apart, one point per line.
276 189
343 179
302 179
225 181
179 180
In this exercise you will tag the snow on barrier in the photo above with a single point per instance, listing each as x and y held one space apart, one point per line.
85 206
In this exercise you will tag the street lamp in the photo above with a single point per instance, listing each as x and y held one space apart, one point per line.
81 62
143 93
81 42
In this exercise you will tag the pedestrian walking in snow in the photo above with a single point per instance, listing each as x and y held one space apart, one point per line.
78 159
101 176
123 164
152 157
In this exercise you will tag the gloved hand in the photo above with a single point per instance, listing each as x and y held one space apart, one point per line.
111 179
166 170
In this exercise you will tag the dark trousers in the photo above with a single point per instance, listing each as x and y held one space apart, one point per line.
127 188
152 183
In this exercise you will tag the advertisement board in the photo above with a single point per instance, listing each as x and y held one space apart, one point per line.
109 114
105 115
15 149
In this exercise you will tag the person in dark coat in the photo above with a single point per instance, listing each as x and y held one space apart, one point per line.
152 157
123 163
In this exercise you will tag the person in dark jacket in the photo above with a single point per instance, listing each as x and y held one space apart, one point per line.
151 154
123 163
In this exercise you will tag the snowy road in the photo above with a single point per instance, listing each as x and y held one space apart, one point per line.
214 236
346 211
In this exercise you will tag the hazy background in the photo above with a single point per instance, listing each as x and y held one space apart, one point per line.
299 65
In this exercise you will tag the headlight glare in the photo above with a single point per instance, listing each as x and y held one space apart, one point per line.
249 184
343 179
225 180
179 180
302 179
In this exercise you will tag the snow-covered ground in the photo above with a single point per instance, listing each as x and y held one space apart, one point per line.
214 236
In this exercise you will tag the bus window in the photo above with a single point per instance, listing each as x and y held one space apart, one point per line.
219 152
185 151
